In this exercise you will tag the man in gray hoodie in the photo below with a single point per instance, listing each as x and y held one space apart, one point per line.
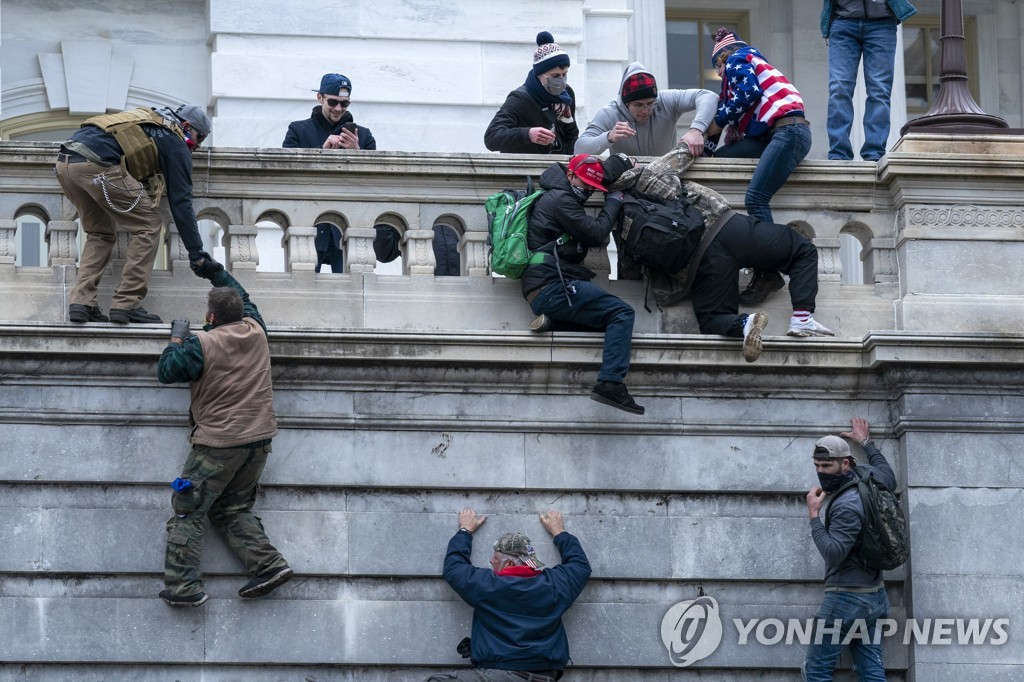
641 120
855 597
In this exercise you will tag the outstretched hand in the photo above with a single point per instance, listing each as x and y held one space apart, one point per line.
859 431
180 329
204 266
553 522
470 520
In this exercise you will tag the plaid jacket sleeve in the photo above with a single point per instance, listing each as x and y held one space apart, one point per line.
181 362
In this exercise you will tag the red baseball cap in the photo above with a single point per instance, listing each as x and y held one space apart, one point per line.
588 169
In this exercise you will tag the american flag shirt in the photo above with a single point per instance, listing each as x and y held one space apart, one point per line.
755 94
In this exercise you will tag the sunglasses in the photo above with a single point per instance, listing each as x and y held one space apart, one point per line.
335 103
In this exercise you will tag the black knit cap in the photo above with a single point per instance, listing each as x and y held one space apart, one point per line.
614 166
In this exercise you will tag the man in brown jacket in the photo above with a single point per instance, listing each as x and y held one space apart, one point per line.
232 416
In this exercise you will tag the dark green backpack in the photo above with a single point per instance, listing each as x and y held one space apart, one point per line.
884 542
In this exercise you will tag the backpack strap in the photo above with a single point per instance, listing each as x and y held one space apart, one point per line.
860 477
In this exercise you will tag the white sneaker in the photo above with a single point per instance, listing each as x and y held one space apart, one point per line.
752 329
809 328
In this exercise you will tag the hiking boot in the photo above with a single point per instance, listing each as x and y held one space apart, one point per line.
615 394
762 284
809 328
125 315
753 327
266 583
197 599
541 324
78 312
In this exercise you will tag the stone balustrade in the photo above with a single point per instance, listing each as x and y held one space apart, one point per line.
296 189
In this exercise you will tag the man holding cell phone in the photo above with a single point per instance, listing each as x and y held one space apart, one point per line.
331 125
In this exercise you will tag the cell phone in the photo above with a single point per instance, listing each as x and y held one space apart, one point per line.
351 127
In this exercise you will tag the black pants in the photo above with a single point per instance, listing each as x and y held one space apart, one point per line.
746 243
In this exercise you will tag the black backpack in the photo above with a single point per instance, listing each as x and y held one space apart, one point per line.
884 542
664 234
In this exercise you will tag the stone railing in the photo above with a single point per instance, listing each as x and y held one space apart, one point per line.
916 192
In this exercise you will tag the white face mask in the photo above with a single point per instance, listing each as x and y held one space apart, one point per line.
555 85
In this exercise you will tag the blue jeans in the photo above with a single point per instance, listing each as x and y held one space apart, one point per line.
779 154
848 607
850 40
594 310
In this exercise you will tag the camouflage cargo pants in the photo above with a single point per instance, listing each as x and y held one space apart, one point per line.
224 484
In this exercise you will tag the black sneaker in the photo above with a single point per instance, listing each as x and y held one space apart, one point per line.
266 583
125 315
79 312
191 600
541 324
615 394
762 285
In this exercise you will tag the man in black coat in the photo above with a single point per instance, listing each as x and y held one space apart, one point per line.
326 125
538 117
330 126
559 289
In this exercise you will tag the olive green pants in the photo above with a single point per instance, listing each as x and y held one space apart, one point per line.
224 485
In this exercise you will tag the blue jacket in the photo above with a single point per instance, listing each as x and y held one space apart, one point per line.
517 621
311 133
901 8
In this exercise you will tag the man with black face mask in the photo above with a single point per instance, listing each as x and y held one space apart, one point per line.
854 594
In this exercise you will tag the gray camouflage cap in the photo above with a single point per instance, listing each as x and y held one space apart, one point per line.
518 545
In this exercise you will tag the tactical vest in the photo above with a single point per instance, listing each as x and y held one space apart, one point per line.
140 153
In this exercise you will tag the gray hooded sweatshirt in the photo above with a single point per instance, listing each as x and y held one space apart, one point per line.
656 136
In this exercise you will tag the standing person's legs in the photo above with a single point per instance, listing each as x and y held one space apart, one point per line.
100 232
127 204
232 515
844 54
867 652
879 54
788 147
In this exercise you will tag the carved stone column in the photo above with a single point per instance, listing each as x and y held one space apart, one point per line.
473 247
60 236
8 245
359 256
240 247
830 265
419 251
299 248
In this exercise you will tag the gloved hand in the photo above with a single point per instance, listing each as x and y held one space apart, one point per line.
204 266
180 330
614 196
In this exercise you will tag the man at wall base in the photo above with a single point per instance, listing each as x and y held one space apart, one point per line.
518 602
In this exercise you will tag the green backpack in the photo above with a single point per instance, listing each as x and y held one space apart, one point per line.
508 219
884 542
